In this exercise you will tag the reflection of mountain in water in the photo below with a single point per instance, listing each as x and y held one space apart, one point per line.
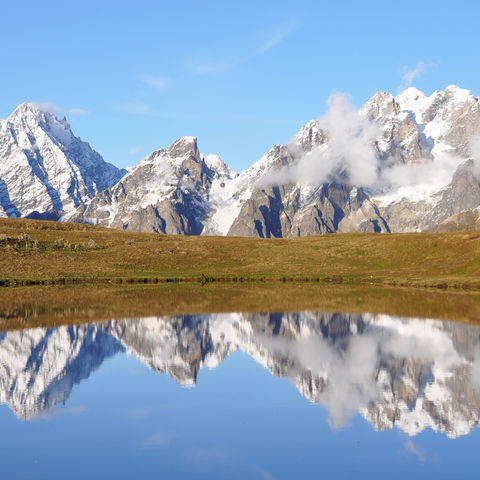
39 367
411 373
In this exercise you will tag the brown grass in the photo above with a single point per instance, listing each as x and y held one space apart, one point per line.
39 251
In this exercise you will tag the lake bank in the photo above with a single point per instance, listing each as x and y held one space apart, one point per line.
47 306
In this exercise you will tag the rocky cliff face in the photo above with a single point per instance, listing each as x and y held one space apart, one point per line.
45 171
406 373
290 209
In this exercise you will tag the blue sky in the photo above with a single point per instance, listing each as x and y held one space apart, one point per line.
241 76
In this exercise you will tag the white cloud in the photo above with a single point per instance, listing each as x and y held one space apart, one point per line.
476 367
134 150
52 107
414 449
350 151
157 82
216 65
275 38
48 107
415 181
475 148
349 155
410 75
78 111
350 371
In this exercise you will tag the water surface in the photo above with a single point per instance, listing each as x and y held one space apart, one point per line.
293 395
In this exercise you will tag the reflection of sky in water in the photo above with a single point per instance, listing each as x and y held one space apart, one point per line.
239 421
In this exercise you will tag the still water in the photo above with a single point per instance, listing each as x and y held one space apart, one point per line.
267 396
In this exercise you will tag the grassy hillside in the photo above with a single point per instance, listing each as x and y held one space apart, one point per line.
39 251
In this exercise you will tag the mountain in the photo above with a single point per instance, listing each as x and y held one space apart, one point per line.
399 164
426 143
172 190
424 177
268 208
39 367
45 170
407 373
180 191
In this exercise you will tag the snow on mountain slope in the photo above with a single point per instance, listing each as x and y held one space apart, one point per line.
172 190
45 171
426 176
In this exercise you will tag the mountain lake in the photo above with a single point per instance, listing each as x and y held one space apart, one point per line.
306 394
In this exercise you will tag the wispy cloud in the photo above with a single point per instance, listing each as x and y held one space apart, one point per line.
158 82
132 151
276 37
350 153
414 449
49 107
475 148
52 107
411 74
205 64
78 111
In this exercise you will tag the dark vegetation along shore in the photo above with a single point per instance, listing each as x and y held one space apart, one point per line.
40 252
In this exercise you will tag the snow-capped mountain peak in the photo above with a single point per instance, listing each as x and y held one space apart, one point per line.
45 170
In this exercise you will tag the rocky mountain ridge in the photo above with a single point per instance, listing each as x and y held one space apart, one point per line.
418 147
45 170
411 374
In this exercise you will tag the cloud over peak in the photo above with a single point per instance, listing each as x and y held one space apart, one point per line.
350 150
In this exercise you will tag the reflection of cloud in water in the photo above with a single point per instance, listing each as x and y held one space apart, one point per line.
348 371
411 373
413 448
476 367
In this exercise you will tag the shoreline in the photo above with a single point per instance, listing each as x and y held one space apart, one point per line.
48 306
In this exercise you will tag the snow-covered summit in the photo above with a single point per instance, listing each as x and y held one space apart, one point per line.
172 190
45 171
